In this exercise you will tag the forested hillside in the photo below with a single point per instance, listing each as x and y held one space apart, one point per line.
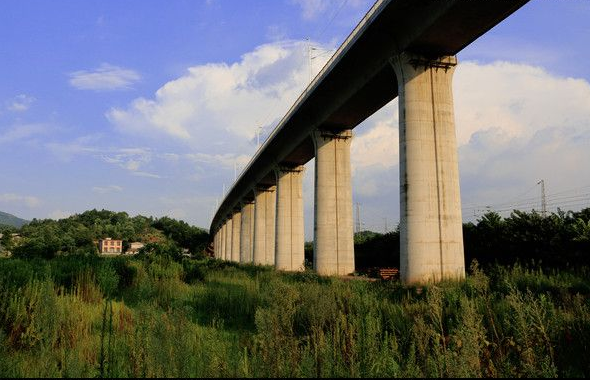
9 220
78 234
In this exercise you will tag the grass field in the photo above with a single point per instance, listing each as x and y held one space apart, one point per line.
148 317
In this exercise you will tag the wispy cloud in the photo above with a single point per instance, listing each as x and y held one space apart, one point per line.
20 103
225 160
312 9
107 189
23 131
106 78
131 159
28 201
147 175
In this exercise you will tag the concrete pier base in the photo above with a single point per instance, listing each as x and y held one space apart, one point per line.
290 239
333 222
431 219
246 233
235 244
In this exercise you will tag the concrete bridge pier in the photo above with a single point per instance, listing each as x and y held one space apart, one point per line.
235 246
333 222
247 233
216 244
431 219
264 226
290 239
228 239
270 224
259 226
222 243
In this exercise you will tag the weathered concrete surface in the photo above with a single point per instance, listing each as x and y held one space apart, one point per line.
236 224
290 239
246 233
222 243
264 217
271 221
228 239
216 247
259 226
333 222
431 219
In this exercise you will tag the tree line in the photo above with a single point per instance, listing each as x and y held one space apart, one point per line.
561 239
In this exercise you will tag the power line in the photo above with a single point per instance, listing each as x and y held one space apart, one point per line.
533 200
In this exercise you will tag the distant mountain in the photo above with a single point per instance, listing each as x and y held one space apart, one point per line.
11 220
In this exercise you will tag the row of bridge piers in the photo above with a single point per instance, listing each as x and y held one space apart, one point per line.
267 228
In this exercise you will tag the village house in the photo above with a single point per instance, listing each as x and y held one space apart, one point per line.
109 246
134 248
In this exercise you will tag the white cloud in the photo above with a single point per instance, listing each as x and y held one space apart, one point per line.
21 103
217 108
379 145
26 200
59 215
107 189
105 78
515 125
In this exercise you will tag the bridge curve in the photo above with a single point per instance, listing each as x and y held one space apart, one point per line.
364 74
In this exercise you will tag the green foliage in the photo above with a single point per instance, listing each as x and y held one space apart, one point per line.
192 238
77 235
151 316
561 239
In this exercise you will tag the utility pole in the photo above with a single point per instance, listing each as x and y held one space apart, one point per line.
543 199
386 227
258 137
310 60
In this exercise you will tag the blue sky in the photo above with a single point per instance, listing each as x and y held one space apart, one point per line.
148 106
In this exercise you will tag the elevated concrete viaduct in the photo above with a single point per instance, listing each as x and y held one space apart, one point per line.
402 48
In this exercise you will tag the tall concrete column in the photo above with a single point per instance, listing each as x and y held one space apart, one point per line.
218 252
264 226
216 244
271 211
228 239
236 224
333 222
290 239
222 243
431 219
246 232
259 254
